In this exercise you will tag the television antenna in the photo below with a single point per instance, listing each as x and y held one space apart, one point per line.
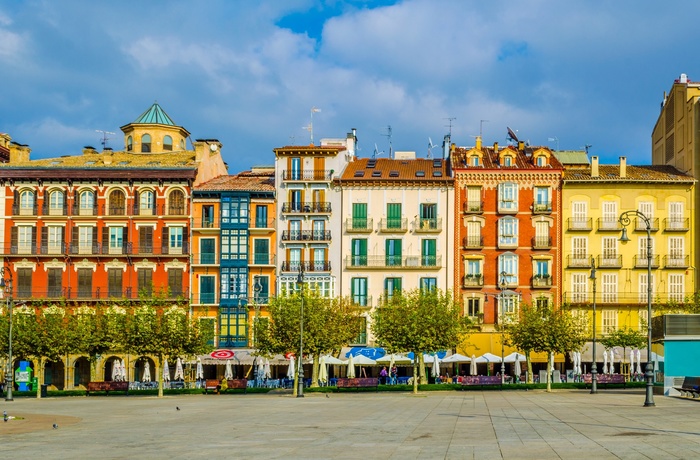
388 134
587 146
481 127
554 139
431 146
450 120
105 137
310 126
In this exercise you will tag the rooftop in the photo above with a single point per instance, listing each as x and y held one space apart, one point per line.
364 170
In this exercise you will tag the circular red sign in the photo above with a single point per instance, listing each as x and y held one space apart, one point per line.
222 354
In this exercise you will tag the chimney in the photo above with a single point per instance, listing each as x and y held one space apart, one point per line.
594 167
683 79
521 146
623 167
107 158
89 150
495 147
478 142
19 152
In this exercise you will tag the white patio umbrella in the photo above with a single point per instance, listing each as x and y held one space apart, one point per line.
362 360
322 370
435 371
639 361
261 368
228 372
116 372
513 357
472 367
516 366
166 371
456 358
290 370
631 361
268 372
488 358
179 374
333 360
605 361
351 368
122 369
146 372
393 358
199 374
611 369
578 364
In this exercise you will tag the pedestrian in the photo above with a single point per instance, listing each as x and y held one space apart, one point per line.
394 374
383 375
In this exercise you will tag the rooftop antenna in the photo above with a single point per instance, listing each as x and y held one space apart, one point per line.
450 119
388 134
587 146
554 139
310 127
376 152
512 136
481 128
431 146
104 137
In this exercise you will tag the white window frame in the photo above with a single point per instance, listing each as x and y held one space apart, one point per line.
609 287
676 287
508 232
579 287
643 287
508 263
610 216
609 320
579 214
508 196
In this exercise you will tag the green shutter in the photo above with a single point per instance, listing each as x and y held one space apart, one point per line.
393 215
359 216
428 253
393 252
359 252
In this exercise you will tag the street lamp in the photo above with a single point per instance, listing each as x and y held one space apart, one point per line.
257 288
300 372
6 287
649 372
594 368
502 285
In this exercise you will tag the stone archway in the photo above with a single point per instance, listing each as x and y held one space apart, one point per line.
81 372
109 367
54 374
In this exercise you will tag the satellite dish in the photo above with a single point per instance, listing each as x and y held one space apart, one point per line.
511 135
213 147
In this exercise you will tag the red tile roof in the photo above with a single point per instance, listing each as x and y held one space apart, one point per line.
245 181
399 171
647 173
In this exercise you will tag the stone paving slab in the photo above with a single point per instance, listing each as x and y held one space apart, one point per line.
449 425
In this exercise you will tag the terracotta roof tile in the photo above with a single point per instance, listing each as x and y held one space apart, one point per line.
523 158
364 170
245 181
114 160
647 173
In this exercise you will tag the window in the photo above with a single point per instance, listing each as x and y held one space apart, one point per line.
393 252
428 253
261 216
294 259
24 282
207 250
428 216
319 230
23 237
129 143
233 326
146 203
675 288
27 202
175 282
508 263
56 203
261 251
234 244
579 246
508 232
296 168
358 288
474 199
610 215
507 160
473 306
542 268
145 240
675 215
319 258
359 252
508 197
542 199
145 281
206 289
87 203
609 320
234 284
55 282
116 240
541 161
361 338
579 215
474 160
473 235
643 287
610 258
391 285
176 203
643 245
234 210
676 256
542 234
295 200
643 315
508 307
85 240
542 303
646 208
167 143
579 287
208 216
146 143
114 282
261 289
473 267
117 203
359 216
393 215
609 285
175 240
85 283
428 284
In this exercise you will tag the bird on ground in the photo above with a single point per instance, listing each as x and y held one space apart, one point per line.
177 407
55 426
327 395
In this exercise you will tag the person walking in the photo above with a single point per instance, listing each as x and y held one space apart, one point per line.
383 374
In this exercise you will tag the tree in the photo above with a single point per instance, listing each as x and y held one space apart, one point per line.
419 321
625 338
328 325
523 333
51 339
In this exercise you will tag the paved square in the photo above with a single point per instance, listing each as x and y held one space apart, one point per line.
459 425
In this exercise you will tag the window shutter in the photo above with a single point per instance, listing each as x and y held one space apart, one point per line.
164 240
185 239
33 240
105 240
44 238
13 240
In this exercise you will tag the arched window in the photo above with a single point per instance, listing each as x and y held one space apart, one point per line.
176 203
182 144
168 143
146 202
129 143
87 203
117 203
56 202
26 202
146 143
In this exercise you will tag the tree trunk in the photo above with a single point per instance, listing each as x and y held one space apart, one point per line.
421 370
314 372
415 377
530 378
39 376
549 374
159 376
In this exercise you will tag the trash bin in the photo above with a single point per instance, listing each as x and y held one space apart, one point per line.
35 384
44 390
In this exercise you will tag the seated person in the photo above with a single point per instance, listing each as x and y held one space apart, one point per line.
223 386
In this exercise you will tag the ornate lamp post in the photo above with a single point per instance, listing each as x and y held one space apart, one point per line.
594 368
300 372
6 287
649 371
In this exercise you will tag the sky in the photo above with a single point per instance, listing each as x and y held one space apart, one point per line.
249 73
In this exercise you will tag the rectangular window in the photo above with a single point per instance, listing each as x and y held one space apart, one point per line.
508 263
473 307
428 284
145 281
609 287
391 285
609 320
208 216
676 288
393 252
207 251
261 251
319 230
675 215
474 199
359 252
609 252
579 215
473 234
542 268
25 239
643 315
610 215
24 283
508 305
175 282
508 232
234 244
643 245
207 294
261 216
542 200
116 240
428 216
359 216
474 267
579 287
643 287
319 258
234 210
579 246
175 241
428 253
261 289
54 241
358 288
646 208
145 240
393 215
508 197
55 282
85 282
234 283
114 282
295 200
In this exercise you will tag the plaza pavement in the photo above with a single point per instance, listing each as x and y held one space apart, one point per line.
447 424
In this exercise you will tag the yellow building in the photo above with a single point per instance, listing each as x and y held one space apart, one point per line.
594 197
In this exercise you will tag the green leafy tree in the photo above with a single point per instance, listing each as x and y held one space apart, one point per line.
523 333
626 338
51 339
328 325
419 321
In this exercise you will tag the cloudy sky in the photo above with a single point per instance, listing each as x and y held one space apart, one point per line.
562 74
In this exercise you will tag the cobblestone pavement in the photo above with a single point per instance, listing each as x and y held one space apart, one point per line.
459 425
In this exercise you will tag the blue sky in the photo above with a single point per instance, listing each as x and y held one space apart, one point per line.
249 72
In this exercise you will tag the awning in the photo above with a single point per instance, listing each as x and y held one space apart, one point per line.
243 357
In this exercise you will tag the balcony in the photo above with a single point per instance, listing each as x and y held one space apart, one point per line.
262 224
473 207
307 175
89 293
473 242
18 210
206 223
48 210
473 281
393 225
542 242
641 261
578 261
394 262
306 208
676 224
609 261
606 224
541 281
543 207
609 298
676 261
363 301
507 207
262 259
579 224
306 235
314 267
359 225
205 258
421 225
641 226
